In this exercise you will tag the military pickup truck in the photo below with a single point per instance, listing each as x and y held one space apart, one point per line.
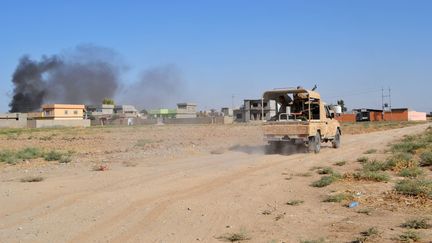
301 119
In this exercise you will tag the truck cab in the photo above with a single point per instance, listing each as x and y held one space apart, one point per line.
300 118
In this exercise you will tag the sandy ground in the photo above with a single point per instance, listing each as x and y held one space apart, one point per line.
190 184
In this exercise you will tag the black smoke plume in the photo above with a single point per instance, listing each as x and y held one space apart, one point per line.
156 88
85 74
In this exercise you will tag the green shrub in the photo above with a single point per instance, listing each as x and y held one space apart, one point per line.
8 156
399 159
374 166
411 172
326 180
426 158
29 153
338 197
53 155
409 145
377 176
419 223
370 151
326 171
409 236
415 187
363 159
65 159
340 163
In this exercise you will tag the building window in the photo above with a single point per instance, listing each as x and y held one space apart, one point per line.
66 112
75 112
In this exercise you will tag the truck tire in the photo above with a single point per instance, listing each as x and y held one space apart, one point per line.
273 147
336 140
315 143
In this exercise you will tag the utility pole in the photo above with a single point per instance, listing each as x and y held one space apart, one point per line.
386 105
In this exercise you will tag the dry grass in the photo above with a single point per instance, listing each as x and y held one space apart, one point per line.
32 179
417 223
234 237
294 202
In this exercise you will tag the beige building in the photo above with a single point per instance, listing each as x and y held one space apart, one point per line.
63 112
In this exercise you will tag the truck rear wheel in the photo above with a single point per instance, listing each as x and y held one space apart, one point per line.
336 140
315 143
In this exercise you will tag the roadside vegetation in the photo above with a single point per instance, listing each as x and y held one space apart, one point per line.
15 156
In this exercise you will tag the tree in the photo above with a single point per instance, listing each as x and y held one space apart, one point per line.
108 101
342 105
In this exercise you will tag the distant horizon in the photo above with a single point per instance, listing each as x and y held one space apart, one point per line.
215 54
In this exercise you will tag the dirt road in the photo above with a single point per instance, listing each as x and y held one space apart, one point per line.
196 199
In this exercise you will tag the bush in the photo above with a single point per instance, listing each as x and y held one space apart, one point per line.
415 187
29 153
8 156
326 171
53 155
399 160
370 151
409 236
420 223
340 163
409 145
426 158
377 176
374 166
65 159
326 180
338 197
411 172
363 159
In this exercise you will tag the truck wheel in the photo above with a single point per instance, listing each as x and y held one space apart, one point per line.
336 140
272 148
315 143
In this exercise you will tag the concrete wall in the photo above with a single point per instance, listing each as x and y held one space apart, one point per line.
198 120
13 120
57 123
416 116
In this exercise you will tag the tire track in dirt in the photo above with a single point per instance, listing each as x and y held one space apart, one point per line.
70 199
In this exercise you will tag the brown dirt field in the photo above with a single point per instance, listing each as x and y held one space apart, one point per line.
191 184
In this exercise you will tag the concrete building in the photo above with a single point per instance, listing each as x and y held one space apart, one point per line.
227 111
100 110
253 110
186 110
162 113
58 115
60 112
126 110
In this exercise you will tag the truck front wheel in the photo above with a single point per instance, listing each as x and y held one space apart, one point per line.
315 143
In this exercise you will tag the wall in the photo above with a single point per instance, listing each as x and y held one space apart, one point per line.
57 123
346 118
13 120
375 116
398 115
416 116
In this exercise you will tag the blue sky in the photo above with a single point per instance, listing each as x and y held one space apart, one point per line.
350 49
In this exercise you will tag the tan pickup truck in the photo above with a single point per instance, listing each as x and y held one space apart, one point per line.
301 118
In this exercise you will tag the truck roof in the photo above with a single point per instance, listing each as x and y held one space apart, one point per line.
273 94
